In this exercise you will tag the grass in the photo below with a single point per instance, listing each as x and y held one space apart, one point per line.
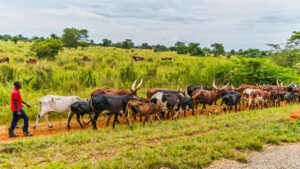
193 142
114 68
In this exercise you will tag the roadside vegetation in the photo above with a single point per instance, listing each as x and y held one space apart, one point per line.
65 73
192 142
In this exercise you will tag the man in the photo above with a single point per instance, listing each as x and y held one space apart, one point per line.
18 112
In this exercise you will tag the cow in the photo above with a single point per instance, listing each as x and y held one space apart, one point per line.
276 97
152 91
146 109
119 92
291 87
58 104
190 89
85 59
166 58
261 98
243 87
31 61
294 115
102 103
4 59
79 108
231 98
206 96
137 58
173 102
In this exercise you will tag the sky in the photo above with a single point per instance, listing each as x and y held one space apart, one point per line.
235 23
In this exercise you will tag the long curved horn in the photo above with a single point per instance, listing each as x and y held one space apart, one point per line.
197 94
232 87
133 85
288 85
281 84
225 86
277 82
139 85
214 84
186 93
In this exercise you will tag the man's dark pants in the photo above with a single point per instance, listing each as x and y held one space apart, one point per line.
17 117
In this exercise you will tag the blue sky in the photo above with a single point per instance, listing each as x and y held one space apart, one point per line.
235 23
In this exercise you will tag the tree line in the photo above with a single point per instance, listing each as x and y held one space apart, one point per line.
286 55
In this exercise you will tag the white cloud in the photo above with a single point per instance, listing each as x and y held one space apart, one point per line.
236 23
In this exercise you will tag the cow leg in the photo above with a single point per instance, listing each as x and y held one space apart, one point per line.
94 121
235 107
47 120
158 117
115 119
78 119
230 108
69 119
108 119
203 107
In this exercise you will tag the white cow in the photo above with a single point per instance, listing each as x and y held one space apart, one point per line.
58 104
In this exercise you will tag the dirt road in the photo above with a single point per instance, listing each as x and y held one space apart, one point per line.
274 157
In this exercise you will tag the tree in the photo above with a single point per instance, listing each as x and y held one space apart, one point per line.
218 48
195 50
145 46
160 48
54 36
47 49
232 52
83 44
181 48
15 39
127 44
72 36
106 42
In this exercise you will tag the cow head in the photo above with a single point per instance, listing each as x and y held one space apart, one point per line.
221 90
134 89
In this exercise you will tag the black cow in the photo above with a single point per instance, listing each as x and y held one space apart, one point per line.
290 97
291 87
190 89
80 108
108 103
174 103
232 98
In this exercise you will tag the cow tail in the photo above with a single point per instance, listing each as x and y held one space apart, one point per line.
91 105
128 110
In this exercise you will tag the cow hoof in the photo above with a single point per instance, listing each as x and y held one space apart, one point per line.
50 127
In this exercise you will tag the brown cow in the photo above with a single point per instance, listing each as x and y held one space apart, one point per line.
137 58
146 109
206 96
168 59
31 61
85 59
294 115
119 92
4 59
151 91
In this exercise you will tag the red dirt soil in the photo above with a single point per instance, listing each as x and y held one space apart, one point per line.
60 126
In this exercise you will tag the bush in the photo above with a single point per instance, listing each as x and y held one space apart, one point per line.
6 73
47 49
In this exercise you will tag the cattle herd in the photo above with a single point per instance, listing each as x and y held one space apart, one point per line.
165 103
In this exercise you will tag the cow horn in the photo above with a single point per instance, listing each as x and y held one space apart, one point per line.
133 85
214 84
232 87
186 92
197 94
277 82
139 85
281 84
225 86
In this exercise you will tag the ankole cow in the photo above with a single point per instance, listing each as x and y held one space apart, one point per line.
4 59
58 104
119 92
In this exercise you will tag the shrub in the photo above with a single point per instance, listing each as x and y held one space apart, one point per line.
47 49
6 73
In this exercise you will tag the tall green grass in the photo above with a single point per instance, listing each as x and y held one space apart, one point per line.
114 68
192 142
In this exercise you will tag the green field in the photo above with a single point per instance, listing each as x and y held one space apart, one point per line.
192 142
112 67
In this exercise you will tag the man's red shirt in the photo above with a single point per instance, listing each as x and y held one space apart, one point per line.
15 95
